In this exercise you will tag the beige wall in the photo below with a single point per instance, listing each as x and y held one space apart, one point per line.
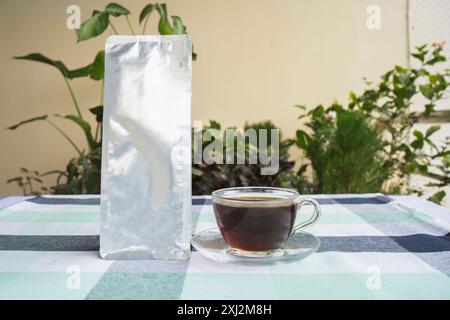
257 58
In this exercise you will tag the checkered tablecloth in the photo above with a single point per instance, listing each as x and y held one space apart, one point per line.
373 247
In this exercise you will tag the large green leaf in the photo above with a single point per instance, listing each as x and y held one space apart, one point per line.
432 130
417 144
437 197
80 72
178 27
83 125
418 134
213 124
93 27
69 74
302 140
427 91
98 67
145 13
95 70
38 57
116 10
164 26
14 127
98 112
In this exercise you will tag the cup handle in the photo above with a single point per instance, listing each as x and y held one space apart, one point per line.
310 221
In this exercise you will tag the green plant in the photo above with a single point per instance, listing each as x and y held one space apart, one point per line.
82 173
344 150
354 156
386 105
364 146
437 161
209 177
26 180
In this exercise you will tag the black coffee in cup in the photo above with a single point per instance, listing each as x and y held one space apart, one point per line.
255 223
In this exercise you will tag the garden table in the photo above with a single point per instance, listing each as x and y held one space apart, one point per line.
372 247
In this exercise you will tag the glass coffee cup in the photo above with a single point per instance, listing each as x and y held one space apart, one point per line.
257 221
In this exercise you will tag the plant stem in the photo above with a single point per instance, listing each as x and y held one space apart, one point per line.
129 24
145 24
114 29
73 98
434 176
64 135
30 186
96 132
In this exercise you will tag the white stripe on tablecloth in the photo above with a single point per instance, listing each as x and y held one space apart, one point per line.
322 263
12 228
26 206
49 261
440 214
72 196
10 201
49 228
86 261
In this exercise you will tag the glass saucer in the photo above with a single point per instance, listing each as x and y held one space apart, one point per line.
210 244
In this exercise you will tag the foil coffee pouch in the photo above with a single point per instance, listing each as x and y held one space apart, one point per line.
146 158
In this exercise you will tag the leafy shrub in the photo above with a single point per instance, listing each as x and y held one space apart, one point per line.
344 150
334 146
209 177
354 162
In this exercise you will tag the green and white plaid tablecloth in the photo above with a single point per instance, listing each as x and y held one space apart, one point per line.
373 247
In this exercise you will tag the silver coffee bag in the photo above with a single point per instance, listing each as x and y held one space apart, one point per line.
146 158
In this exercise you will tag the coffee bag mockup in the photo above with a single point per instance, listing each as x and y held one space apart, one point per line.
146 151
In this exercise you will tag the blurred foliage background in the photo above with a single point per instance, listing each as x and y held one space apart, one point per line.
361 146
